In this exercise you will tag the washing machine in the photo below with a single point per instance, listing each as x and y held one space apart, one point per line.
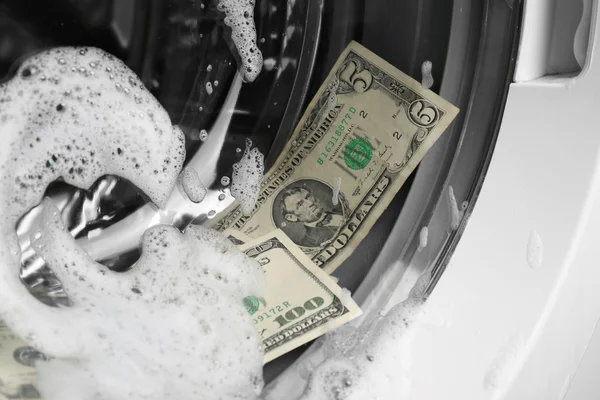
512 275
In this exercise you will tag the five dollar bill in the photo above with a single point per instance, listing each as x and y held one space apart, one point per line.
369 126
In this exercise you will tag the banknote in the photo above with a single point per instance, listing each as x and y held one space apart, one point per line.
236 237
17 367
360 138
302 301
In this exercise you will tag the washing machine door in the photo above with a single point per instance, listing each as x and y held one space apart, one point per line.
177 46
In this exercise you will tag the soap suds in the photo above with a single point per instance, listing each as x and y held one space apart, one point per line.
192 185
246 178
427 78
174 326
79 114
372 362
239 16
157 330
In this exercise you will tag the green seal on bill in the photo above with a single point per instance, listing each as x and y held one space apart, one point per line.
252 304
358 153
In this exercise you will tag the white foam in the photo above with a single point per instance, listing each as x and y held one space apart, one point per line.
337 184
81 114
239 16
370 363
76 113
158 330
427 78
246 178
192 185
174 326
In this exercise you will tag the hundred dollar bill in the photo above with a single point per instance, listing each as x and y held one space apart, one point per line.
360 138
17 367
302 302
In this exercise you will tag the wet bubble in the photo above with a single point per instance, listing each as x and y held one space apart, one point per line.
203 135
225 181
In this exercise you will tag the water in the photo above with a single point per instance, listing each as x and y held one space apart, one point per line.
337 184
503 365
192 185
427 77
423 238
246 178
456 214
535 250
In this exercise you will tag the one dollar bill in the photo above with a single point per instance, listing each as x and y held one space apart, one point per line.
302 302
368 126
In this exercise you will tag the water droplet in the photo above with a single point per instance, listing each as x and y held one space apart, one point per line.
203 135
535 250
427 78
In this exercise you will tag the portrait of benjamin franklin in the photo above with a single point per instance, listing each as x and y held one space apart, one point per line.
304 210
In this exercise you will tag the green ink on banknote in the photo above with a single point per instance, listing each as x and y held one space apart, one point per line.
252 304
358 153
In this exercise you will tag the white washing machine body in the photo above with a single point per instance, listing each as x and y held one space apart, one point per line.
520 300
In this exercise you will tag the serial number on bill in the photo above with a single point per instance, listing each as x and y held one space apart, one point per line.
271 312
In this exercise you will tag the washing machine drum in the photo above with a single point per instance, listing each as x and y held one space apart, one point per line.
176 47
